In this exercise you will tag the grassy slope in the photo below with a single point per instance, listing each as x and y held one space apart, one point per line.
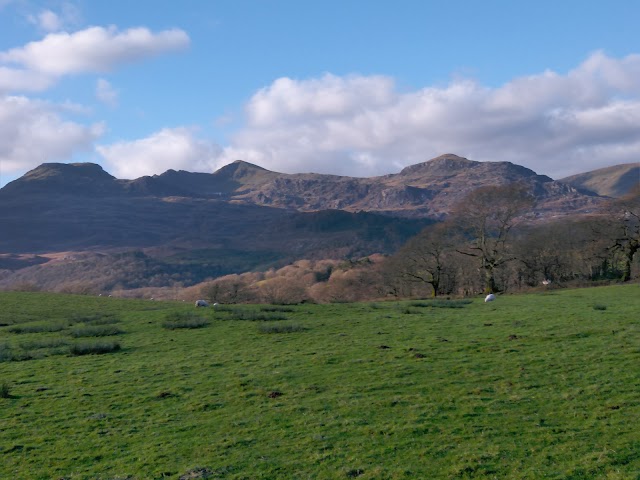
558 400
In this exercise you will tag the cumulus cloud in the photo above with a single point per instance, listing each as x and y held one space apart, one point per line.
93 50
554 123
106 93
35 131
169 148
13 79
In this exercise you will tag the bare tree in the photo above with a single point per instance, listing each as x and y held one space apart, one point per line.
423 259
227 289
553 251
627 229
283 291
487 216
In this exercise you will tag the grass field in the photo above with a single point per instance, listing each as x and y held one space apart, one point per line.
534 386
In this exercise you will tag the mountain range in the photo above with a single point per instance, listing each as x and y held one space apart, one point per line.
244 217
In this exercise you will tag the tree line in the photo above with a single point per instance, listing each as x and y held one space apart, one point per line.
491 242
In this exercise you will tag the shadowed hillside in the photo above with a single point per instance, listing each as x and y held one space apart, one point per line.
616 181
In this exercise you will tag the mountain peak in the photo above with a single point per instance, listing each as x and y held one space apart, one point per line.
443 164
89 171
243 172
65 177
239 168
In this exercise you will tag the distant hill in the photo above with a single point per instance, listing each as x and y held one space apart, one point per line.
190 226
428 189
616 181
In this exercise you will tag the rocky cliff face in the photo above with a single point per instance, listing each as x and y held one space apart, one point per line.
428 189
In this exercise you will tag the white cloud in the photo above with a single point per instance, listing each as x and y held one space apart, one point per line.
33 132
12 79
47 20
554 123
176 148
95 49
106 93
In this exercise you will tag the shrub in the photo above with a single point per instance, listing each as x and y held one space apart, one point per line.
95 331
281 328
184 320
98 347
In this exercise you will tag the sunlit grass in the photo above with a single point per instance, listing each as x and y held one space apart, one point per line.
529 386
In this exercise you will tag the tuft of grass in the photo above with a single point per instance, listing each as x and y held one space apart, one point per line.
196 473
5 390
280 328
41 343
599 306
177 320
38 328
5 352
94 348
95 319
252 315
95 331
442 303
410 311
9 354
276 308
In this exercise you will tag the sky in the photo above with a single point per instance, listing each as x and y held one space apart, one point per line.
347 87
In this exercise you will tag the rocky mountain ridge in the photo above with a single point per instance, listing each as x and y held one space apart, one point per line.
425 190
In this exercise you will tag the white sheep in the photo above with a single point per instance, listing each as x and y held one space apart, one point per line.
489 298
546 282
202 303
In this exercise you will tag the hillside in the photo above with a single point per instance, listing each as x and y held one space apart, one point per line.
616 181
193 226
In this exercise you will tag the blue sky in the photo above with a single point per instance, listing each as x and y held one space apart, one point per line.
348 87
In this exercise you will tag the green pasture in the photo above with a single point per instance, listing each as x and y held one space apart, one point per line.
536 386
